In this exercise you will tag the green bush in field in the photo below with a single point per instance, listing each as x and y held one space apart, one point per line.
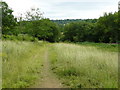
20 37
8 37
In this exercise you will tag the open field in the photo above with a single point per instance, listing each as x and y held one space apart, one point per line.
82 66
21 63
76 65
46 48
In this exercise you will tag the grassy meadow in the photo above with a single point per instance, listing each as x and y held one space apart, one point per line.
21 63
85 66
0 64
63 51
76 65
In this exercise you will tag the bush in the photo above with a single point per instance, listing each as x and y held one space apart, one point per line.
20 37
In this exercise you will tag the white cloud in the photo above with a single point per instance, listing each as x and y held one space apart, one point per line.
63 9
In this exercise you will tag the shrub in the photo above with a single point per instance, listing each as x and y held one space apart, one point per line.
20 37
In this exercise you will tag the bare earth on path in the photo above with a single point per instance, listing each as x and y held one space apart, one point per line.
48 80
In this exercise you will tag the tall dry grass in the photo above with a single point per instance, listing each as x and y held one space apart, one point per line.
21 63
82 66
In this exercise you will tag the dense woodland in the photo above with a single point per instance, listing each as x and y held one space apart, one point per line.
35 27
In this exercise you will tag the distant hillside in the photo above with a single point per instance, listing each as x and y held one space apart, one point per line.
65 21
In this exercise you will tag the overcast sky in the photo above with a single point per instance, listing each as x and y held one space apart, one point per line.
65 9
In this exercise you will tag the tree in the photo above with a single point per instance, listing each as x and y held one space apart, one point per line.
8 19
79 31
44 29
107 28
34 14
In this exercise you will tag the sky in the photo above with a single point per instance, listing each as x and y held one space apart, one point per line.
65 9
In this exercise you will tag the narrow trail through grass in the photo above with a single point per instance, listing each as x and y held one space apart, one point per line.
57 65
47 77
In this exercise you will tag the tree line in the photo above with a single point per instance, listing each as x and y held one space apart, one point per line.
35 27
105 30
65 21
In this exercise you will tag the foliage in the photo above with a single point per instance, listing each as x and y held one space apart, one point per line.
65 21
33 15
8 20
42 29
45 30
79 31
106 30
20 37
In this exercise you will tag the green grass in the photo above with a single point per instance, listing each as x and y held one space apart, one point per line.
113 47
0 65
85 66
21 63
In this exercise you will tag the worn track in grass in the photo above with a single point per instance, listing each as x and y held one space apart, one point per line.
47 78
